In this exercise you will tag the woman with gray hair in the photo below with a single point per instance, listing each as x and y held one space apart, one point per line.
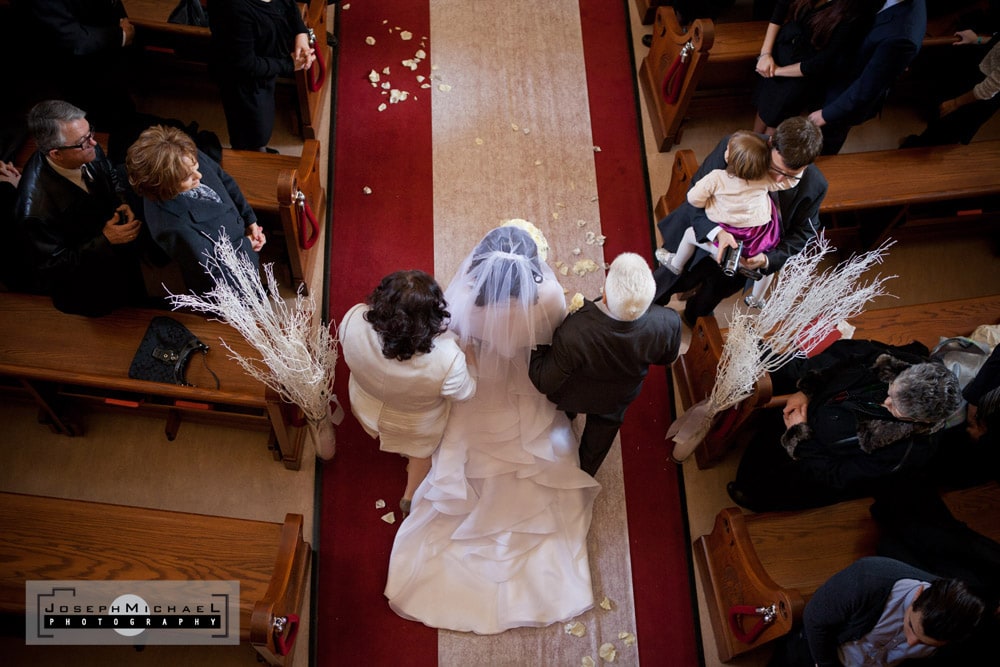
858 423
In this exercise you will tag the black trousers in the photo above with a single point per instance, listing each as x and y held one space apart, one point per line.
595 443
250 108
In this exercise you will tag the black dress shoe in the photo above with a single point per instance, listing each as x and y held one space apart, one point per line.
647 41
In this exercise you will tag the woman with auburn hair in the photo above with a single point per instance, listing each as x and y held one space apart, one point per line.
406 368
188 202
805 40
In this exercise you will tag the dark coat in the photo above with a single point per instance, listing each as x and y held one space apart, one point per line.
79 27
850 603
73 260
885 53
186 228
596 364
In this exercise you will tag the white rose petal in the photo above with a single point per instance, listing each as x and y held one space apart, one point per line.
564 270
347 6
410 64
386 85
526 131
576 303
581 223
605 603
444 87
369 40
479 141
421 54
373 76
608 652
380 504
584 266
420 78
576 251
389 518
514 127
587 662
383 106
385 70
538 163
627 637
426 85
577 629
367 190
406 35
597 149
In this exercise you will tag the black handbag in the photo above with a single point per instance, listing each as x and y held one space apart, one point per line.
164 353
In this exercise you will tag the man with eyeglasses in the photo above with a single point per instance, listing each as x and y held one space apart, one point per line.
81 236
794 146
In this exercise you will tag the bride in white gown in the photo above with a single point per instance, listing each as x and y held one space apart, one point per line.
497 537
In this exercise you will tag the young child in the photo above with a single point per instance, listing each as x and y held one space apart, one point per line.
736 199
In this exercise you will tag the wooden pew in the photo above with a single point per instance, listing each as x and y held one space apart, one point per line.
695 371
781 558
930 189
155 32
46 538
721 62
279 187
58 359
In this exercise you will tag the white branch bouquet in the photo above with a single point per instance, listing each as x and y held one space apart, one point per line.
298 353
803 309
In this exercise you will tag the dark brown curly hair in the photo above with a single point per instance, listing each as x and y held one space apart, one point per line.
408 311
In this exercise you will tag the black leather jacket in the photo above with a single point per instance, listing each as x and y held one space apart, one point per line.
63 226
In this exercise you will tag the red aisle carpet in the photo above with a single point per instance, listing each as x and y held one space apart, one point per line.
391 229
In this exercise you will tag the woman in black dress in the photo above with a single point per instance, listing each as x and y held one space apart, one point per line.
253 43
805 40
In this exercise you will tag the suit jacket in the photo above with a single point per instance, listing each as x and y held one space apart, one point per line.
79 27
799 208
186 228
886 51
63 225
596 364
850 603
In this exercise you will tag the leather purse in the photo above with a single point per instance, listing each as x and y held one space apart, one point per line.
165 352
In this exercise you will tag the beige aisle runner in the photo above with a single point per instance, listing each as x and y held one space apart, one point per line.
512 139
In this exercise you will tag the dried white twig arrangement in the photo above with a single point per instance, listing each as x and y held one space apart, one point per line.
298 353
803 309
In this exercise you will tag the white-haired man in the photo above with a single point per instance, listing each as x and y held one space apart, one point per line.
601 353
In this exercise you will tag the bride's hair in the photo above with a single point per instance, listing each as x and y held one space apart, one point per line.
505 266
408 311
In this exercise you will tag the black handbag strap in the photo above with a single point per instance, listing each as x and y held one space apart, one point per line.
180 366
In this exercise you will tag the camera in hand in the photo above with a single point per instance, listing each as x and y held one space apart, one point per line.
731 259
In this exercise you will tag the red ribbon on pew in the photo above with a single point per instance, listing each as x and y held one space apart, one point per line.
674 79
308 225
766 616
282 645
316 80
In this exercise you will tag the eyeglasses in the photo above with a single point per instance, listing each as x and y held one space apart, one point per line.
84 142
784 173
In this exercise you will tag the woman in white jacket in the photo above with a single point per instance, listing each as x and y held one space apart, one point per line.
406 368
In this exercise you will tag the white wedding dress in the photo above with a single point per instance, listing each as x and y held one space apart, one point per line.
497 537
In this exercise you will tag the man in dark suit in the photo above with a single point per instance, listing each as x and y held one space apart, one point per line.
794 146
601 353
880 611
70 211
85 54
886 52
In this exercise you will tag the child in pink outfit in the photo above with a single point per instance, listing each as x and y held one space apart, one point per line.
738 200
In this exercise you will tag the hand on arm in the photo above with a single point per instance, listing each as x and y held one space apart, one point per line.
122 232
256 236
9 174
765 61
817 118
303 55
970 37
952 105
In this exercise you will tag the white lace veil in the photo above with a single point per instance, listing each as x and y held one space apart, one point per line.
504 299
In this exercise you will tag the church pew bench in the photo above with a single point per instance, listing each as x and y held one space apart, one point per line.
694 372
62 361
781 558
928 190
720 62
45 538
156 33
